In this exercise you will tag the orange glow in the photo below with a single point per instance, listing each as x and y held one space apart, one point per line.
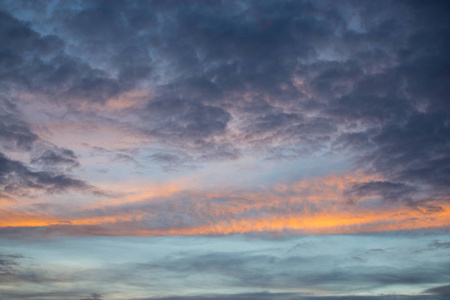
326 223
314 206
319 223
8 219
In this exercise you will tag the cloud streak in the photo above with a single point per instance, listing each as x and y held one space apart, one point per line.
321 205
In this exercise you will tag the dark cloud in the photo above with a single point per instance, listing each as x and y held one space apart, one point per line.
180 119
38 64
189 126
8 264
18 179
293 76
56 157
412 144
440 290
368 80
414 153
15 133
277 80
387 191
436 244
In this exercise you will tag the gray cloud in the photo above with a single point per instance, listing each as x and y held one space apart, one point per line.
38 64
15 133
247 270
194 267
368 80
440 290
436 244
373 75
56 157
388 191
18 179
8 264
180 119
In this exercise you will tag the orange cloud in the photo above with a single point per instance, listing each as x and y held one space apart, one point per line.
314 206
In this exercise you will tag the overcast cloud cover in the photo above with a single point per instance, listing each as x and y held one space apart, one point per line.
266 120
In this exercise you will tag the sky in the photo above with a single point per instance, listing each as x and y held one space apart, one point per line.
229 150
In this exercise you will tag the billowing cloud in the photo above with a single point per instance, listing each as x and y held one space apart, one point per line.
263 118
197 84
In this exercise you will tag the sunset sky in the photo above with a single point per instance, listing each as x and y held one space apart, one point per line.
229 150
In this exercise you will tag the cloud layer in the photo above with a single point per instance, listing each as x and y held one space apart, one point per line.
225 150
215 117
372 267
